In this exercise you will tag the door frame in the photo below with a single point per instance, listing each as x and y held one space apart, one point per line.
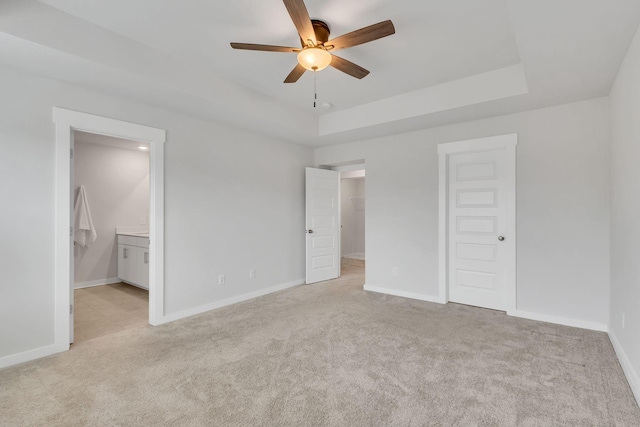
360 173
66 121
346 169
508 143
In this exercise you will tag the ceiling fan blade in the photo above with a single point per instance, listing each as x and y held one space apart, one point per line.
348 67
300 17
363 35
295 74
264 47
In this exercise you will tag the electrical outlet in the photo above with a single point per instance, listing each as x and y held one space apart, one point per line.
221 279
622 320
394 271
143 220
252 273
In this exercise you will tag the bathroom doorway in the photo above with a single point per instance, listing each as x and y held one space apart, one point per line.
66 123
111 235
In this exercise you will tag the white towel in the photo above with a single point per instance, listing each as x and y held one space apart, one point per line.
85 233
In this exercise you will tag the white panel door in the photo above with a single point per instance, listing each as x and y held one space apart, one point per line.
477 204
322 195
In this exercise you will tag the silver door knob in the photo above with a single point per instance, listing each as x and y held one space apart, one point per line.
501 238
310 231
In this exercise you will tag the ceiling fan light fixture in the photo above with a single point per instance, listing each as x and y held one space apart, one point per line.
316 43
314 58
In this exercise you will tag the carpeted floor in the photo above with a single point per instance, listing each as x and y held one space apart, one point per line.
328 354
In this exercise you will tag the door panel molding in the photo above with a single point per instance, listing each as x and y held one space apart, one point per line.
503 142
322 199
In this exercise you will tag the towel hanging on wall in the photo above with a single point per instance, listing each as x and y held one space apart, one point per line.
84 233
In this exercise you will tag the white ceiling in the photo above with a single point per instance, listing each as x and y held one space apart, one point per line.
203 30
177 55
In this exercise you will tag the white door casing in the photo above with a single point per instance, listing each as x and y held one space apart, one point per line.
67 121
72 280
477 222
322 225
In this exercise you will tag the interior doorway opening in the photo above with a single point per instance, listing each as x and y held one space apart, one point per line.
352 218
110 263
334 198
352 188
66 123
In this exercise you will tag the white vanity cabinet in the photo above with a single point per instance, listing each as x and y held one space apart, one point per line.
133 260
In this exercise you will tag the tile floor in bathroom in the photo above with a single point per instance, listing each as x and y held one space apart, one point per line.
103 310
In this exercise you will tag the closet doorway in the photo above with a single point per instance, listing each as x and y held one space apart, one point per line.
352 218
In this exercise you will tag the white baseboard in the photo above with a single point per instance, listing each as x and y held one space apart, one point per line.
99 282
394 292
233 300
627 367
36 353
584 324
576 323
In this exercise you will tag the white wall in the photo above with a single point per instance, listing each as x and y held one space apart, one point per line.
117 184
562 202
233 201
625 214
352 216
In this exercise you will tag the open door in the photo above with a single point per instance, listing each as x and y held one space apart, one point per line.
322 225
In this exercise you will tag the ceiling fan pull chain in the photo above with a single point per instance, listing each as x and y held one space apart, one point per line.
315 88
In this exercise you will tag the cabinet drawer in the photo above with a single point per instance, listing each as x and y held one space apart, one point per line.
142 242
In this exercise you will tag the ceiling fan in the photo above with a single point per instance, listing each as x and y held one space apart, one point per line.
314 55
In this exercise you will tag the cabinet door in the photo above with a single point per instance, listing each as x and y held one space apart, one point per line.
123 271
143 267
128 263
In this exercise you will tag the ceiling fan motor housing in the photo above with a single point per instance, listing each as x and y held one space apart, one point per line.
322 31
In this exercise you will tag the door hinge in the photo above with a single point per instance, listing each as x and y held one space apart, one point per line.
71 309
70 230
71 150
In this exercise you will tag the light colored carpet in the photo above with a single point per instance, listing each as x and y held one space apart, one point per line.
328 354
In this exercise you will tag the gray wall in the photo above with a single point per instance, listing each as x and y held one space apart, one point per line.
117 185
562 207
233 201
625 214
